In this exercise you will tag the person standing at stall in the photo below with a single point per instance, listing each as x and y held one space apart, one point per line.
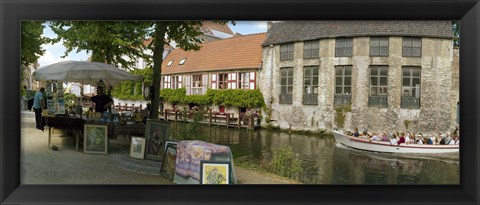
101 100
38 105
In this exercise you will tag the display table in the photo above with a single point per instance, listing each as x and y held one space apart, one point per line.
76 125
128 130
66 123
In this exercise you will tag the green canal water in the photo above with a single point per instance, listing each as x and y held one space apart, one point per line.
326 162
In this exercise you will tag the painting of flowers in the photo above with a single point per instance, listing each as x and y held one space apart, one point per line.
214 172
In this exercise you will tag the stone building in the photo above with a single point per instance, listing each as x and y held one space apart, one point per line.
375 75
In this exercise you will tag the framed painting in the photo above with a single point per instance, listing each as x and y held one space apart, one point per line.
214 172
137 147
168 165
15 192
95 139
156 132
170 142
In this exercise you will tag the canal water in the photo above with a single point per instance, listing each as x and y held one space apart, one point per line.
326 162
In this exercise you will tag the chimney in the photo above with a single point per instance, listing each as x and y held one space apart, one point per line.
269 25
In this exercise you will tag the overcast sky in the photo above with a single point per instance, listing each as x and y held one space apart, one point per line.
53 52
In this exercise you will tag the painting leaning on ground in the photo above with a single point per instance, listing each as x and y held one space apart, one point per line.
313 102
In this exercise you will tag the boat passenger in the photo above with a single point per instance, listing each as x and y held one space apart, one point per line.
402 138
365 134
375 137
457 140
448 139
413 138
420 139
384 137
394 140
408 140
442 138
432 139
355 132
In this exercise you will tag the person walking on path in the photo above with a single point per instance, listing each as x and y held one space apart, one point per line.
38 105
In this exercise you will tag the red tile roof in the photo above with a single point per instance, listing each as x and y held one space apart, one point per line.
149 40
219 27
242 52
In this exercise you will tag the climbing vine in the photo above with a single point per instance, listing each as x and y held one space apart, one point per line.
340 114
237 98
129 90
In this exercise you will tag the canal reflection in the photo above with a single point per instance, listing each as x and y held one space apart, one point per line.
325 162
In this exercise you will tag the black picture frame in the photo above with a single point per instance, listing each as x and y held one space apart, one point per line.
156 133
11 12
169 158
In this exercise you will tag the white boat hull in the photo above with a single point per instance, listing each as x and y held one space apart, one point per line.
381 146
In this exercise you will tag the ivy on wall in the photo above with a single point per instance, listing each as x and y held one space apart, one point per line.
130 90
236 98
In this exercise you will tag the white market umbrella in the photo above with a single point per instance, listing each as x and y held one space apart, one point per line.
84 72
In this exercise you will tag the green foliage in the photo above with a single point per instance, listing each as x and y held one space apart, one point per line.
185 34
237 98
340 114
69 97
128 90
407 123
286 163
248 162
31 42
107 41
173 95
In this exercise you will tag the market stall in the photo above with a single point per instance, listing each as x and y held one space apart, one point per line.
57 116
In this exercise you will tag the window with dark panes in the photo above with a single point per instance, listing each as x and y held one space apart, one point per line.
286 85
411 77
311 49
197 84
378 86
412 47
343 85
223 81
343 47
286 52
310 85
378 46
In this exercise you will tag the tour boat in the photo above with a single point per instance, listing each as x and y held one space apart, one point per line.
383 146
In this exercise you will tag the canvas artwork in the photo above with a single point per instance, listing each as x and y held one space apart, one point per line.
168 165
169 142
155 134
60 106
214 172
95 139
137 147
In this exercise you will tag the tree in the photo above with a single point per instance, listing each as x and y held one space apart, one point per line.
31 46
107 41
185 34
31 42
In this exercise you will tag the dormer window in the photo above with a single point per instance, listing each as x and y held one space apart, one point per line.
182 61
169 63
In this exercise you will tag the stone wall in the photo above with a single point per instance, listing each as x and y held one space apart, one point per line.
438 93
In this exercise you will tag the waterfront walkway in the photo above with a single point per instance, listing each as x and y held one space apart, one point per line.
40 165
